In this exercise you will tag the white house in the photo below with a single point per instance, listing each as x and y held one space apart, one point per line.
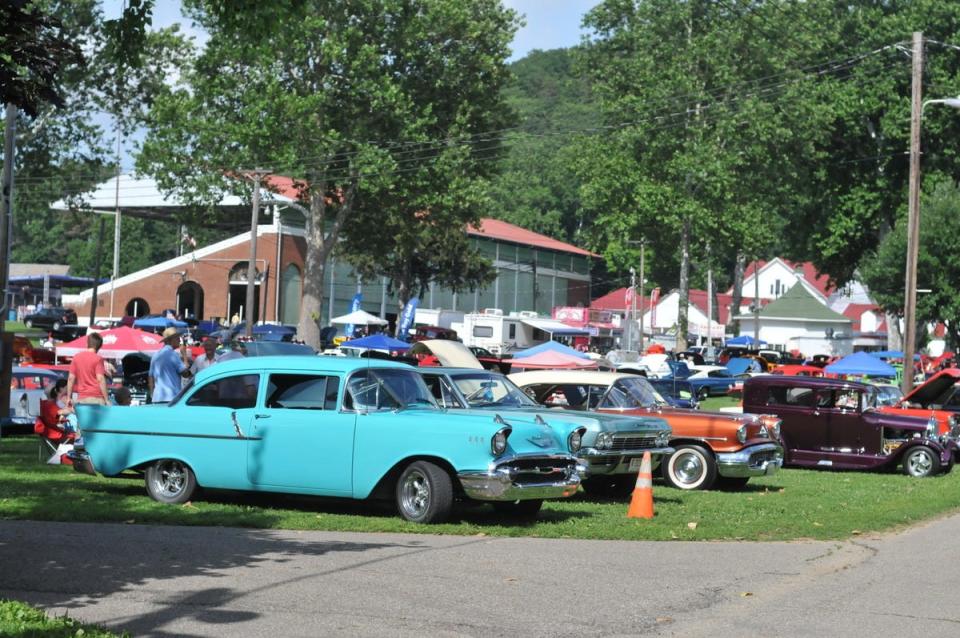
777 276
798 320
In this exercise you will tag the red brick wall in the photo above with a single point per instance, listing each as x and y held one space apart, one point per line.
211 273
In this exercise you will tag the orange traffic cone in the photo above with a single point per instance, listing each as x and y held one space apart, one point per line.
641 503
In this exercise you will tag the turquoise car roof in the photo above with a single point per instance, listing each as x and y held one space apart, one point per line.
299 364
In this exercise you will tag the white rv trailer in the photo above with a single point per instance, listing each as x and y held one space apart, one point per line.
502 334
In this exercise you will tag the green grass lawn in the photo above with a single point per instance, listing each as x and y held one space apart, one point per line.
715 403
18 620
789 505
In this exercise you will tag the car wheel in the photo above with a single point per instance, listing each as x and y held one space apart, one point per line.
733 482
424 493
691 467
920 461
28 323
519 509
170 481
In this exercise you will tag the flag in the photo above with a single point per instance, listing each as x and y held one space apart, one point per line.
354 306
406 319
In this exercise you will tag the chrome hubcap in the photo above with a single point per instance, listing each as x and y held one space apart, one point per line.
171 477
919 463
415 494
688 468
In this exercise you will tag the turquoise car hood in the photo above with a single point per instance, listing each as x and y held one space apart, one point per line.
528 434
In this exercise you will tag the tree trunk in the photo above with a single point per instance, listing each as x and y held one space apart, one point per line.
683 310
738 269
894 338
319 247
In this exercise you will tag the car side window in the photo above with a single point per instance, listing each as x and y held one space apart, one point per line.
302 392
365 392
235 392
441 391
782 395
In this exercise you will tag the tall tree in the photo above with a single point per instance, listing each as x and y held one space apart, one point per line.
363 99
938 266
693 151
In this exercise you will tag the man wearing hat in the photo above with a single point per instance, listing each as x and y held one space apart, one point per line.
167 366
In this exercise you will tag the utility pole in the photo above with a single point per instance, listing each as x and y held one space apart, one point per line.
709 341
756 302
250 318
913 217
631 308
6 227
643 244
94 302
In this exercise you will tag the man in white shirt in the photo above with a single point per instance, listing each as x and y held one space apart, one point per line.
207 359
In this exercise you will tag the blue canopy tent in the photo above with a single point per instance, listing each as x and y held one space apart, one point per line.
376 342
158 322
861 363
549 346
745 340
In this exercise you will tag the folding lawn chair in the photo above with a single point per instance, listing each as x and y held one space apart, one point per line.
52 433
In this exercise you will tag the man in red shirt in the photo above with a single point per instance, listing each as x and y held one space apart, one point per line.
87 375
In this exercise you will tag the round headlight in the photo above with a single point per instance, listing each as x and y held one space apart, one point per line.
604 441
663 437
742 433
498 444
575 440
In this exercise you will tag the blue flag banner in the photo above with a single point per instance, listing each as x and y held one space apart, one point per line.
406 319
354 306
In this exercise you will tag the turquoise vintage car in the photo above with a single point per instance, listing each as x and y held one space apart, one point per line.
328 426
612 446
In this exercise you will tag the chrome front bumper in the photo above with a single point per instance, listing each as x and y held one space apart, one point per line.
508 480
599 462
756 460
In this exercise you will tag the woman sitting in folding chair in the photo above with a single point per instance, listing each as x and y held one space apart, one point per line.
53 425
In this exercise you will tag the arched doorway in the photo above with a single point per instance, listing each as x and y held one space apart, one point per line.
237 294
291 292
137 307
190 300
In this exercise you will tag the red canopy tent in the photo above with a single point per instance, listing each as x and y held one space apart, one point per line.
550 360
117 343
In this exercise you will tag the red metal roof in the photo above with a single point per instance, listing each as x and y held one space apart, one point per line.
855 311
499 229
616 301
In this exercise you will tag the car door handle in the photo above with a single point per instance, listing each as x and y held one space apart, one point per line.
262 416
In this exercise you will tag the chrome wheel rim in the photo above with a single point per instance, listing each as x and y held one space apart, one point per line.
415 494
919 464
688 468
170 478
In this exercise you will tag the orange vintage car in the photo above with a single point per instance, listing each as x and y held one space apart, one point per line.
711 448
938 397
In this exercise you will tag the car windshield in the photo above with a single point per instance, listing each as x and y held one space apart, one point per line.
633 392
388 389
485 390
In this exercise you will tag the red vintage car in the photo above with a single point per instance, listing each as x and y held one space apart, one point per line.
938 398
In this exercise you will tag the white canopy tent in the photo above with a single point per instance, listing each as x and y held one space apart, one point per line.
360 318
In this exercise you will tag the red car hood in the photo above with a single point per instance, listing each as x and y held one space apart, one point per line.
934 387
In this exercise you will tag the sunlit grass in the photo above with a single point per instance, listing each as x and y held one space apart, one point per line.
18 620
789 505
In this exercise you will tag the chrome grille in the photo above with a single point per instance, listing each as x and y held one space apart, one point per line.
633 442
539 470
761 457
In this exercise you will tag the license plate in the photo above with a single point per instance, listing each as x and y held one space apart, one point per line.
635 465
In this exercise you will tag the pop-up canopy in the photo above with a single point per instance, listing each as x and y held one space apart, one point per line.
861 363
117 343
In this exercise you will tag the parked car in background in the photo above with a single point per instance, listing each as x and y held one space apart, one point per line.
27 386
612 446
679 393
709 447
888 394
328 426
835 423
423 333
52 318
713 381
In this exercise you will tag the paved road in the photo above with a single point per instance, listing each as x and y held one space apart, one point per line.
181 581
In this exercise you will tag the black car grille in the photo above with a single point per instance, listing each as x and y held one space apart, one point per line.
540 470
633 442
